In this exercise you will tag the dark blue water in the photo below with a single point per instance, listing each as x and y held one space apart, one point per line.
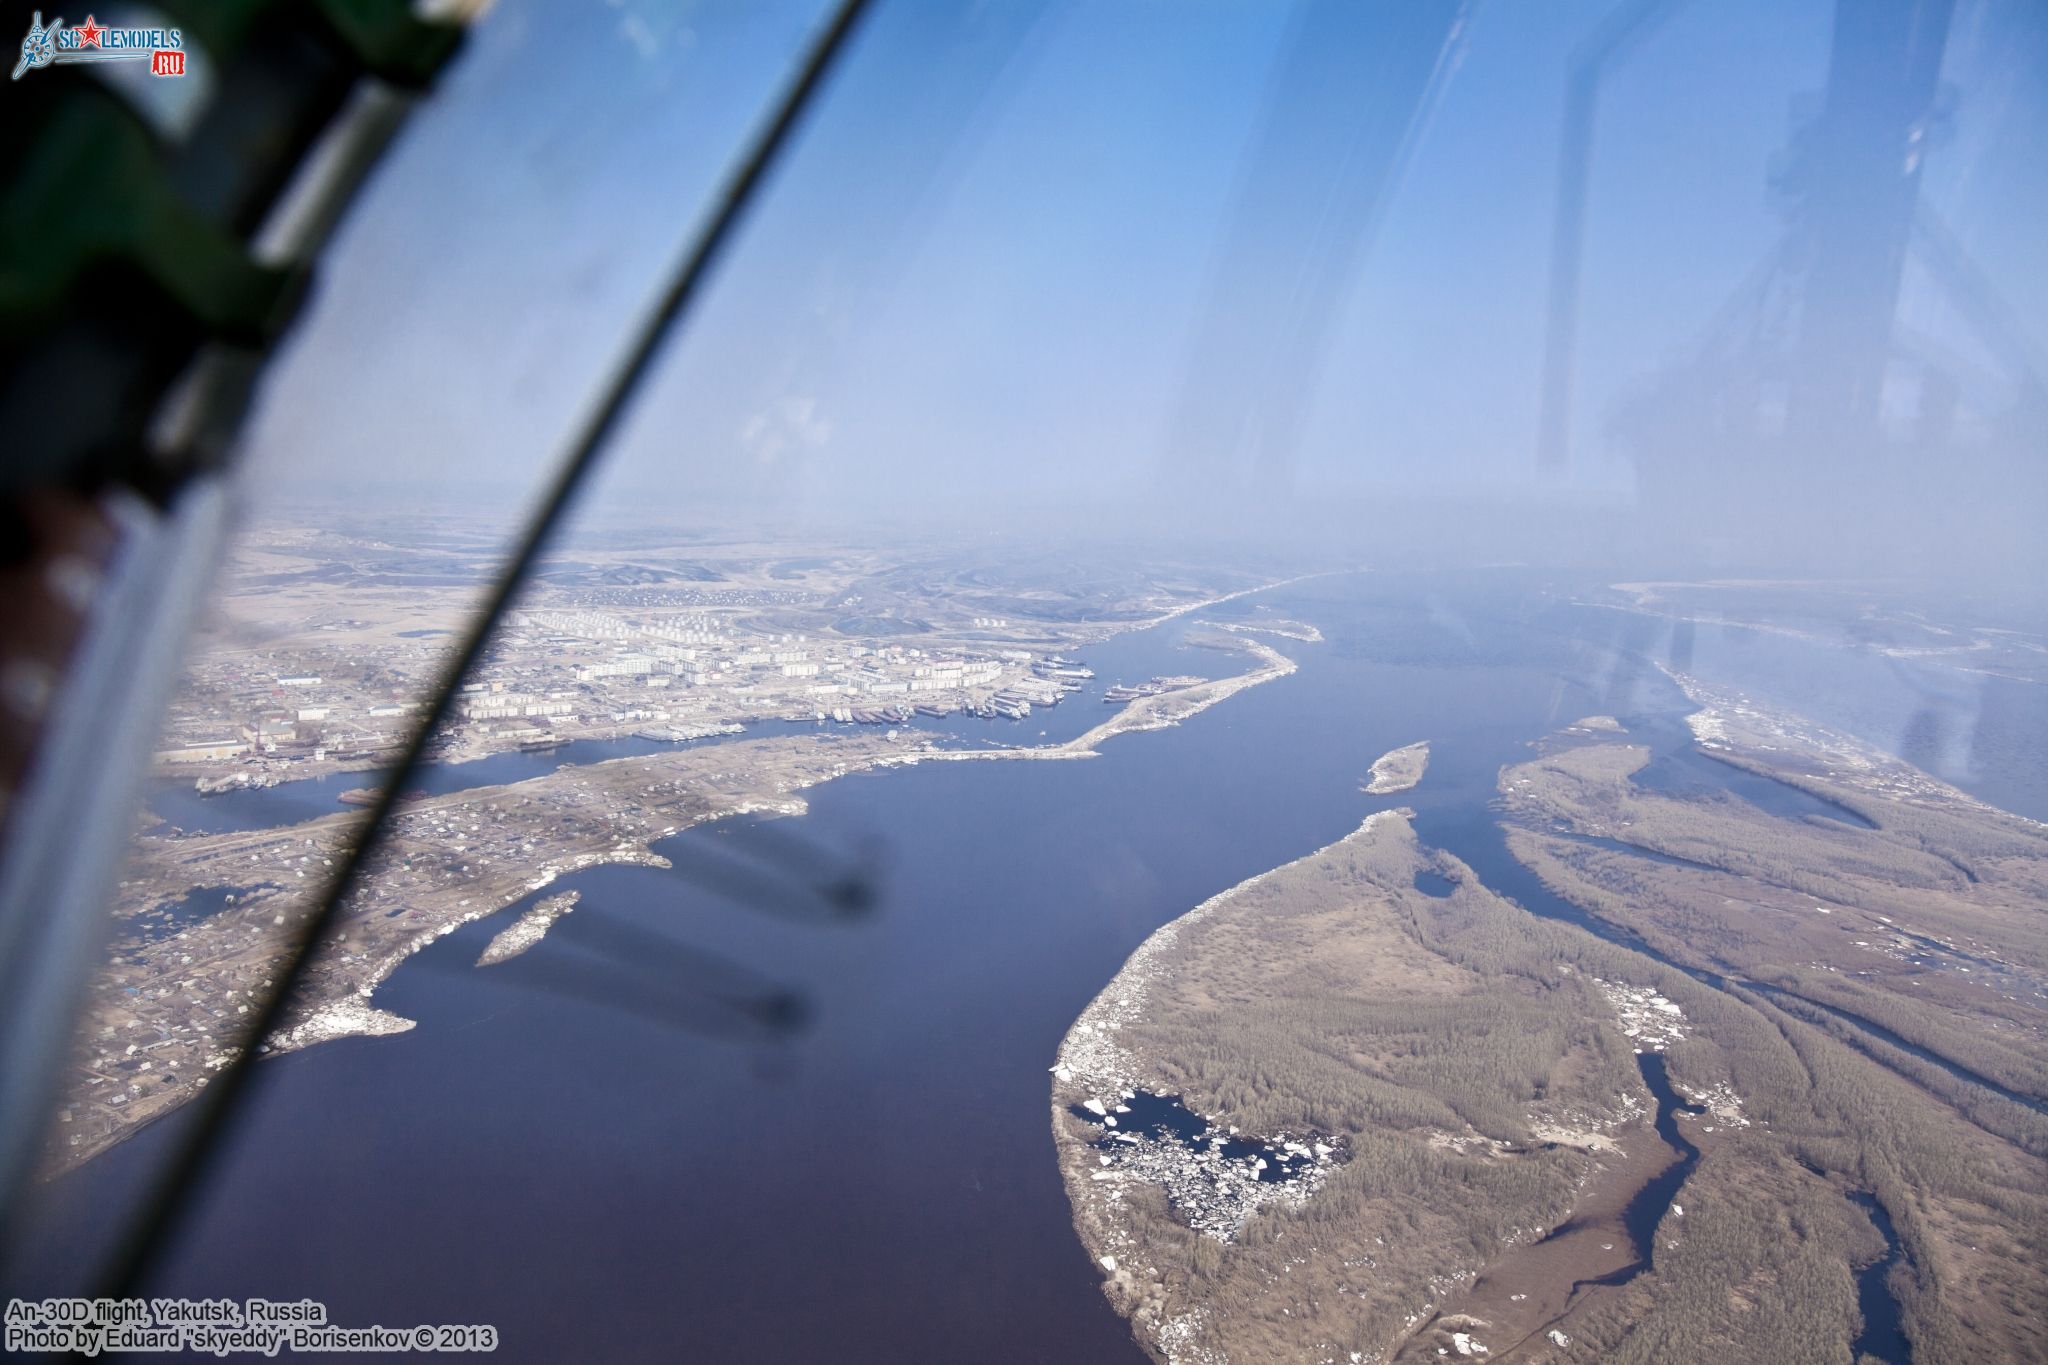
576 1152
161 921
1683 769
1883 1336
1166 1117
1646 1209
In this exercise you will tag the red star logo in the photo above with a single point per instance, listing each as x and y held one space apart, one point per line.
88 32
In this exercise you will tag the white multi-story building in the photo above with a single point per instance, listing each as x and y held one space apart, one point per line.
624 666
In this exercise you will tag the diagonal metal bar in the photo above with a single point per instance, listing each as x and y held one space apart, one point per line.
170 1195
1618 34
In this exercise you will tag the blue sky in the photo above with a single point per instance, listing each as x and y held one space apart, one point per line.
979 271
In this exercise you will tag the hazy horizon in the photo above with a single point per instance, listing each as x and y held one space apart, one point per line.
1246 273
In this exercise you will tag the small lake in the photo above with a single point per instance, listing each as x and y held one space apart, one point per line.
1165 1118
170 917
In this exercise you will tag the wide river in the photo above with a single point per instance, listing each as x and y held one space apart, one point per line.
611 1184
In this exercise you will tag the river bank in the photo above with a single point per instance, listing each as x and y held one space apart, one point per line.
568 820
770 1201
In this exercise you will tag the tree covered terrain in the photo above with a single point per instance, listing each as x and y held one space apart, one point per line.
1851 1005
1899 950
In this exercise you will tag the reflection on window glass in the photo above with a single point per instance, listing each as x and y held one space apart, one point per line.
1243 682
